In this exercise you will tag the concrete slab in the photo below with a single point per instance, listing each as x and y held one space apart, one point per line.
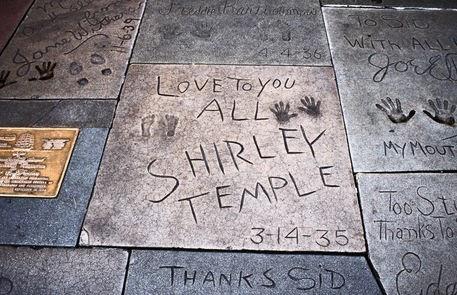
411 230
233 32
174 272
68 50
207 157
397 78
62 271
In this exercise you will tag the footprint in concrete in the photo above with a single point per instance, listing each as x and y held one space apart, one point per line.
83 82
146 124
107 72
75 68
97 59
171 123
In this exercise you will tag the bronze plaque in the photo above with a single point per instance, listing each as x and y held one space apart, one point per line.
33 161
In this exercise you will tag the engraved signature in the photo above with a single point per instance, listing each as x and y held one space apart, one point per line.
438 67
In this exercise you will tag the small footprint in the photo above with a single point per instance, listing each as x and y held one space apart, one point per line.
83 82
107 72
75 68
172 122
97 59
146 124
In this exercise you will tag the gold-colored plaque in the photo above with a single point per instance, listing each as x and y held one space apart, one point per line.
33 161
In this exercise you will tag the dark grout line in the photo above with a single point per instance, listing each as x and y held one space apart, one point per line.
450 171
127 267
385 7
17 26
231 64
367 254
375 274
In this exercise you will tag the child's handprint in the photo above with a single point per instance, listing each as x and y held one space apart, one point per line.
310 106
202 30
444 114
281 112
4 79
46 70
394 110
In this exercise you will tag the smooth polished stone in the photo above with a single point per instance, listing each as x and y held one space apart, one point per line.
70 50
254 32
227 157
11 13
397 77
175 272
411 229
62 271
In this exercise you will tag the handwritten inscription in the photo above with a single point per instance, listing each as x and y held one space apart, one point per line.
410 277
33 161
304 278
404 53
231 7
435 217
322 237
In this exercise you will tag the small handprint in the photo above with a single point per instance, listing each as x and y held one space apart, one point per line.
394 111
4 79
170 31
310 106
171 123
281 112
202 30
444 114
46 71
146 124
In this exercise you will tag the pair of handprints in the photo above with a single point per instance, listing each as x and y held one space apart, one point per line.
443 111
45 72
310 107
201 30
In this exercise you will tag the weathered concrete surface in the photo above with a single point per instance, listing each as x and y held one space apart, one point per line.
70 49
57 113
11 13
411 231
221 163
288 32
61 271
397 79
165 272
56 221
